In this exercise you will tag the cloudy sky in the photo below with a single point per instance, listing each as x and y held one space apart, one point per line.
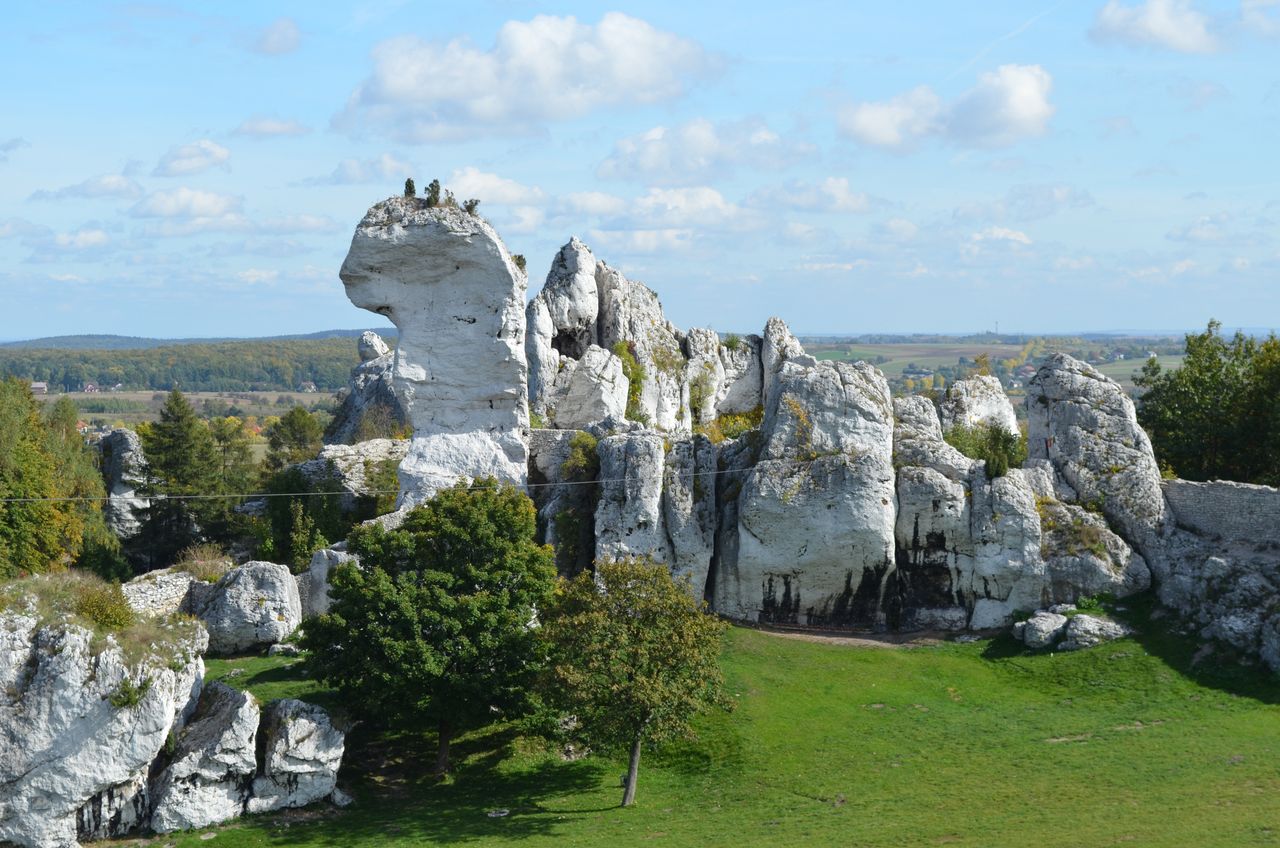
854 167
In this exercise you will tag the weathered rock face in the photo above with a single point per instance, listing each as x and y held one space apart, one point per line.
213 765
689 510
1043 629
594 388
71 763
255 604
1086 427
448 283
1085 558
302 751
816 514
976 401
629 519
313 584
349 468
124 472
161 592
368 406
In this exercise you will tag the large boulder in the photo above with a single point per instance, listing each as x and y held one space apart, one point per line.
210 775
448 283
1085 426
975 401
81 720
917 440
302 750
124 470
594 389
815 541
251 606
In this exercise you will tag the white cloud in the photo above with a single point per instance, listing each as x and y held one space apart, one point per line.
82 239
644 241
1001 234
1261 16
281 36
833 194
191 159
300 224
491 188
108 185
545 69
261 126
258 275
697 150
697 207
185 203
1206 228
595 203
1028 202
1171 24
381 168
898 229
1006 105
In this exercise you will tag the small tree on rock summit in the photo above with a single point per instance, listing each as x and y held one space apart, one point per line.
410 190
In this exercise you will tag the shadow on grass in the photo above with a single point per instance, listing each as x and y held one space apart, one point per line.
397 796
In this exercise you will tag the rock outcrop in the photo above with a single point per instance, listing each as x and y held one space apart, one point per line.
369 406
977 400
1049 628
352 469
590 389
301 753
254 605
124 472
447 282
81 721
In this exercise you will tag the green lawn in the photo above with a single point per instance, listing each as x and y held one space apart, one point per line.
977 745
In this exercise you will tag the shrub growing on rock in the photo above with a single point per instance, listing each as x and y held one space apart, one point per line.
1000 449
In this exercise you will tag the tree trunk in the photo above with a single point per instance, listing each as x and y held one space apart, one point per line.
442 753
629 793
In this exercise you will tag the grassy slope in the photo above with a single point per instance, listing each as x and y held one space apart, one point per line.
980 745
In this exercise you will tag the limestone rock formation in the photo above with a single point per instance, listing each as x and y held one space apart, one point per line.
628 519
588 390
161 592
689 510
1086 631
447 282
254 604
72 762
302 751
1086 427
975 401
368 406
313 584
349 468
211 771
1043 629
124 472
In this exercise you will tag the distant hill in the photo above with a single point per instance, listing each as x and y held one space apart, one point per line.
109 342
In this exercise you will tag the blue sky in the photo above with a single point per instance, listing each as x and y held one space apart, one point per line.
197 169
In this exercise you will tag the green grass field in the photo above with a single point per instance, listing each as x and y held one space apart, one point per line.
1122 372
931 356
976 744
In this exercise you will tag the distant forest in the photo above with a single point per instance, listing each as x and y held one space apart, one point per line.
246 365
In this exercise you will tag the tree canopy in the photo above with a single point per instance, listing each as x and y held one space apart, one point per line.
633 655
1218 415
435 624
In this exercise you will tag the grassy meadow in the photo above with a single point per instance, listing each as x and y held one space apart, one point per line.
930 355
979 744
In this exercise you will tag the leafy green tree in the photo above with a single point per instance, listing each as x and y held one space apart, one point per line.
182 468
294 438
433 193
435 624
410 190
1218 415
633 656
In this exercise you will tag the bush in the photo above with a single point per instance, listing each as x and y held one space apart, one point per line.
731 426
994 445
104 604
635 375
732 341
130 694
205 561
583 462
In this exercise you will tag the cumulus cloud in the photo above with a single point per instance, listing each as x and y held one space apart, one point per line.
831 195
300 224
998 234
549 68
699 206
695 151
491 188
1170 24
191 158
1261 16
1006 105
898 230
185 203
381 168
261 126
81 239
9 145
281 36
594 203
108 185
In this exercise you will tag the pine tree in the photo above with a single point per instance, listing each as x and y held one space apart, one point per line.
410 190
181 462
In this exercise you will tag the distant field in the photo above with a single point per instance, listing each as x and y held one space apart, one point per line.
132 408
1122 372
931 356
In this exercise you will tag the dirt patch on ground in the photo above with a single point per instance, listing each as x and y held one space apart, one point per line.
859 640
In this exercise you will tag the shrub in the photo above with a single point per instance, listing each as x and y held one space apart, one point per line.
583 462
104 604
518 258
410 190
471 205
130 694
635 375
732 341
996 446
731 425
205 561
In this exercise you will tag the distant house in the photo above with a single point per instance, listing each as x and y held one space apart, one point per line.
91 388
117 387
1026 371
39 388
308 387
